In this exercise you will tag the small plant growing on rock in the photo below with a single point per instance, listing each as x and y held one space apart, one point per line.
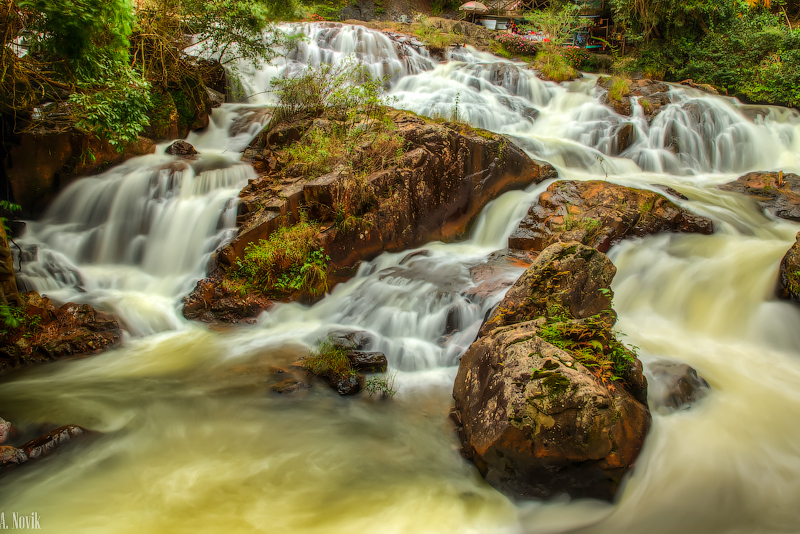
328 359
593 343
618 90
286 261
381 385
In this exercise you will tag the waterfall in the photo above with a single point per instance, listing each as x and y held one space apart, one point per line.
195 441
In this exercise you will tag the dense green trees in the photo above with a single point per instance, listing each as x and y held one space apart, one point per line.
101 65
747 50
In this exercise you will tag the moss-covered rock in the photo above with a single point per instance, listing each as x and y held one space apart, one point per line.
547 400
790 273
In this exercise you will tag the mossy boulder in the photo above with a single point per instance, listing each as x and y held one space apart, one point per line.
547 401
790 273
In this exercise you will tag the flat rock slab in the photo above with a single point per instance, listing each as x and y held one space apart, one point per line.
600 214
776 192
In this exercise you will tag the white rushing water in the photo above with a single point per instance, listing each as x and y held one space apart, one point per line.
194 441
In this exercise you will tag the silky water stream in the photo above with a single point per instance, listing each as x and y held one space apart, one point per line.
193 441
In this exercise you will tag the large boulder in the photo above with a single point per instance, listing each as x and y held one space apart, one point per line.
566 278
600 214
547 401
433 188
789 281
777 192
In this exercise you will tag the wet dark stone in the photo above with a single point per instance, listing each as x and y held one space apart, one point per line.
347 384
368 362
675 385
181 148
355 340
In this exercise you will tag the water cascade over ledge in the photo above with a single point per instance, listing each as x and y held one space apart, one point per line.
194 441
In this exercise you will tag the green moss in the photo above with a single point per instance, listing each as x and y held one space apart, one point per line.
575 223
556 383
592 342
538 374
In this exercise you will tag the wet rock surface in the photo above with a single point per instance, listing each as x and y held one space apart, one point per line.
213 301
600 214
434 191
181 148
539 419
789 279
48 333
571 277
652 96
776 192
674 385
39 447
41 163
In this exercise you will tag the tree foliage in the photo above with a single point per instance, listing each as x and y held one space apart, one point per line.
91 63
745 50
558 22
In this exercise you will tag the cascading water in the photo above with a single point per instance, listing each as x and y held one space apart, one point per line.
193 442
134 239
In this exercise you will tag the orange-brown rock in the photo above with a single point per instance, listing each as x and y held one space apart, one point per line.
789 279
571 277
213 300
600 214
533 417
435 190
777 192
48 333
44 162
446 176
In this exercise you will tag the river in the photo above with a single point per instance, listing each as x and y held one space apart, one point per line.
194 441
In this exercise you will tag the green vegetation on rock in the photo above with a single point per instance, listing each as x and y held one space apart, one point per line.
329 359
285 262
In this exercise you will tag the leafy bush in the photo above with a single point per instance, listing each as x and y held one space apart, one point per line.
746 51
618 90
553 66
516 44
347 87
557 21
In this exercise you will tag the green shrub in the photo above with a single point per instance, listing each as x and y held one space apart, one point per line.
286 261
619 89
328 359
553 66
